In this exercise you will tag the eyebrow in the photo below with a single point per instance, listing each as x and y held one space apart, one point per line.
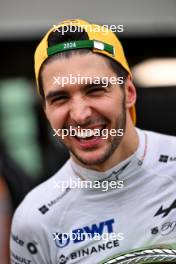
84 87
53 94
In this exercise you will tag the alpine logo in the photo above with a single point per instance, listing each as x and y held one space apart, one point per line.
166 211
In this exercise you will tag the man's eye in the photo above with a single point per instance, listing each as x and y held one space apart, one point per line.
59 99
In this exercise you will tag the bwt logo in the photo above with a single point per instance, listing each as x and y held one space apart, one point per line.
81 234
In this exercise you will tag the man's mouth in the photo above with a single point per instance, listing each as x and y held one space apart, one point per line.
90 137
90 133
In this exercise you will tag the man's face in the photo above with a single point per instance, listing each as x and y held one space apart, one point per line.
85 106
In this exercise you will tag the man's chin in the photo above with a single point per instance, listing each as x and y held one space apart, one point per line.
91 158
89 162
96 155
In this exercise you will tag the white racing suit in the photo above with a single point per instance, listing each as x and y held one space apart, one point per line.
58 223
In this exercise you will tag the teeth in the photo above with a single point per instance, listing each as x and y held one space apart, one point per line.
85 133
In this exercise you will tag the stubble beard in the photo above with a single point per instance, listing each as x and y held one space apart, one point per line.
113 143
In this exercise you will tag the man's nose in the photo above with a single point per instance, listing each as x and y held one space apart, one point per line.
80 111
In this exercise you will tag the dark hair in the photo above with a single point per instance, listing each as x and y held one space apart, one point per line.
56 38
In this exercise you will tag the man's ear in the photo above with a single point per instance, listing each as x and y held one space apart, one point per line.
44 107
130 92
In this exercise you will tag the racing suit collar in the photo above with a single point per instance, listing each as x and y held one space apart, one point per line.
119 171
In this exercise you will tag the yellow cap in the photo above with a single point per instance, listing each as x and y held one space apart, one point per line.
94 32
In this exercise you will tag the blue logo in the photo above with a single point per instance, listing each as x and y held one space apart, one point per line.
61 239
81 234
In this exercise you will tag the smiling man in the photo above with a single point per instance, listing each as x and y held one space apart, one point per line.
71 218
90 106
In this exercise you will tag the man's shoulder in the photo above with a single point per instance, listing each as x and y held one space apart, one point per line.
162 153
164 142
39 200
